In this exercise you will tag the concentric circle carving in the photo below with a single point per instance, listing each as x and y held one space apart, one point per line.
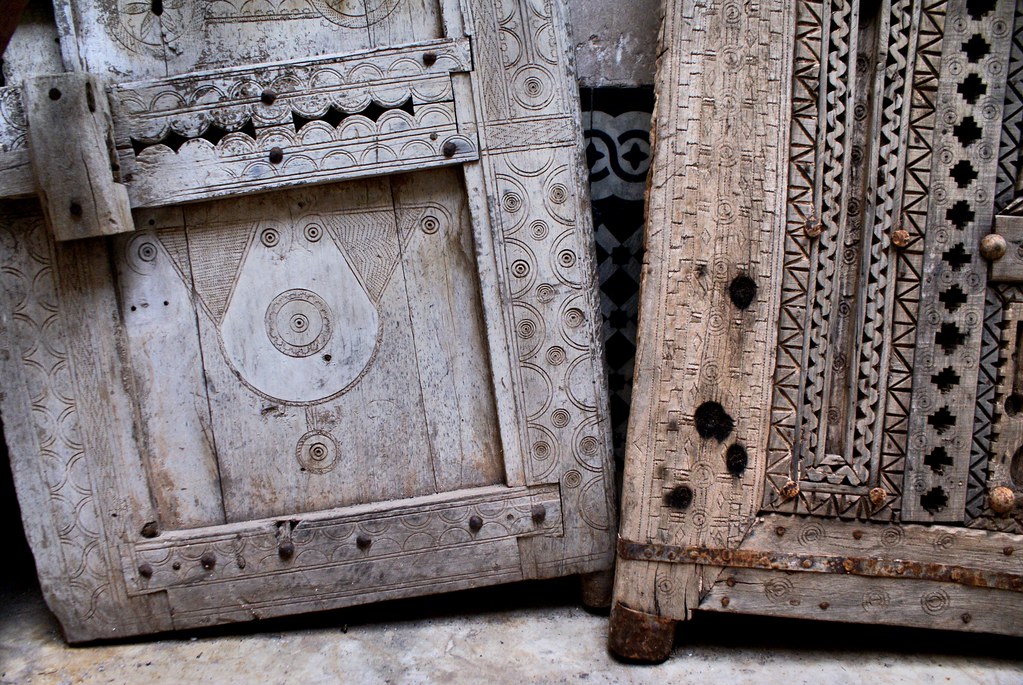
313 233
430 224
298 322
317 451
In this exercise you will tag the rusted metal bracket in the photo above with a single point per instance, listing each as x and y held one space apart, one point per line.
874 567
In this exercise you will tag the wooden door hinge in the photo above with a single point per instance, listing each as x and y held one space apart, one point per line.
71 144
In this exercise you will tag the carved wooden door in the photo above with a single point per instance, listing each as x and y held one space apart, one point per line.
345 346
826 403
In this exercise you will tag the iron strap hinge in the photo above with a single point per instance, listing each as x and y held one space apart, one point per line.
874 567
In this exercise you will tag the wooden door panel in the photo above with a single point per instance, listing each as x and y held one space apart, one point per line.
377 391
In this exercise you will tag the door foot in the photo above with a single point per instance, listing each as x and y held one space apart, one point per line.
640 637
596 590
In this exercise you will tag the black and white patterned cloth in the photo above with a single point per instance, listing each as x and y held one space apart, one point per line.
616 124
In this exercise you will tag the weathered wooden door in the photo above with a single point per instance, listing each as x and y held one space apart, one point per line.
827 403
345 346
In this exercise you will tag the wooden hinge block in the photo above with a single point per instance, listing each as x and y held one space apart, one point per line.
71 145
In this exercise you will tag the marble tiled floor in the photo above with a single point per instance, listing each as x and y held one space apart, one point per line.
526 633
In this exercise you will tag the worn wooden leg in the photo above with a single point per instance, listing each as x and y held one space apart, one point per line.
640 637
596 590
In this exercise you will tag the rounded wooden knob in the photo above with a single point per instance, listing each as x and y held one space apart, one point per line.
992 247
1002 500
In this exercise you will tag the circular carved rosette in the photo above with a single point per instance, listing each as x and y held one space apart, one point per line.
317 452
298 322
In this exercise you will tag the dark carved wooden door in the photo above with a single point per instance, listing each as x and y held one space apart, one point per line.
826 421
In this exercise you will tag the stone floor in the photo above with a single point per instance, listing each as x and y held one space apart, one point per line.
526 633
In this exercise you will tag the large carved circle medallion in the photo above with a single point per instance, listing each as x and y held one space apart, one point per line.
298 322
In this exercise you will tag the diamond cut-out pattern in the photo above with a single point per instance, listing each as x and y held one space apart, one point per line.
963 173
972 88
967 131
976 48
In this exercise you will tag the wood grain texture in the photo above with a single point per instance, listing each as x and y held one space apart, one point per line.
714 213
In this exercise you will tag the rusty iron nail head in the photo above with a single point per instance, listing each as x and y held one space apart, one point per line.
286 549
1007 551
429 58
790 490
363 541
449 149
993 247
779 531
276 155
807 563
966 618
208 561
1002 499
725 601
857 534
900 237
475 522
176 566
539 513
824 606
268 97
812 226
730 582
145 570
878 496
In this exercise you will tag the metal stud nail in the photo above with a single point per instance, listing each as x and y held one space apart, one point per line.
363 541
268 97
812 226
286 549
276 155
900 237
475 523
145 570
993 247
429 58
1001 499
208 561
449 149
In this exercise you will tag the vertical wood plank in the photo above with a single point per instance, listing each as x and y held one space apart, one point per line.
714 214
438 261
166 362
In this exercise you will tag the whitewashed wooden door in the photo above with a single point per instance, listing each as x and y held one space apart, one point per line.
825 421
345 349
